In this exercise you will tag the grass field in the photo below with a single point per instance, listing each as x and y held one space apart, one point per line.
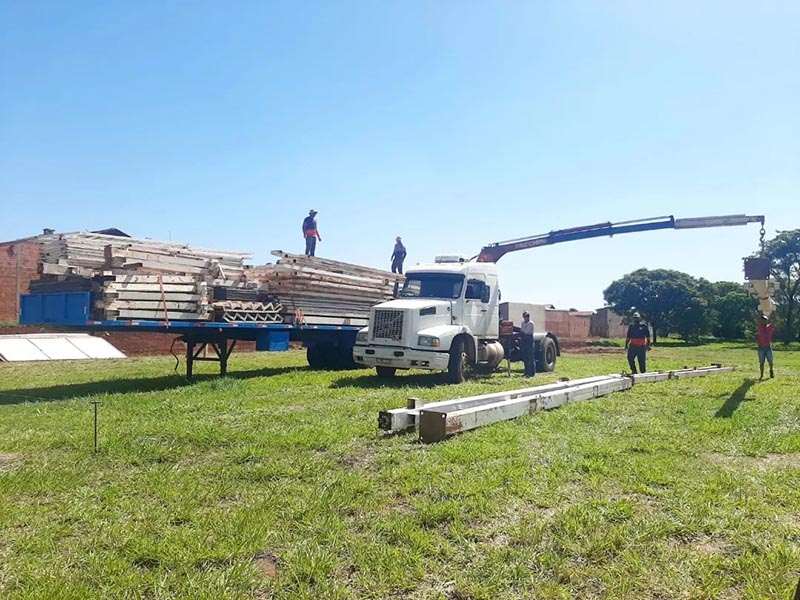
274 483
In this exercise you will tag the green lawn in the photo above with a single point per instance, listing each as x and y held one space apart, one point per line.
274 483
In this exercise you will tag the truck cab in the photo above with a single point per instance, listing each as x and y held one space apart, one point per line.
445 318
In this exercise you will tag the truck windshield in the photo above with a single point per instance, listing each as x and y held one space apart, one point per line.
432 285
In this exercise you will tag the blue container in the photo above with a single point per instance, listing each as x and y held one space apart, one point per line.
67 308
272 341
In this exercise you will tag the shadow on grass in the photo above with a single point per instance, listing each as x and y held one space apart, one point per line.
371 381
735 399
127 386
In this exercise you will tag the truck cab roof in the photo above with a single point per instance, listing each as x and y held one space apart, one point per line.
454 267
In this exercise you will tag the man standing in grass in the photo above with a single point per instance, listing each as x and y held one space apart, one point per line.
637 343
764 341
526 329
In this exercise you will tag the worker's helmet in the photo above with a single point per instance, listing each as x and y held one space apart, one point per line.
764 318
312 212
636 315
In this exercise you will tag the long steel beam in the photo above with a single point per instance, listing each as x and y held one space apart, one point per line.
439 420
400 419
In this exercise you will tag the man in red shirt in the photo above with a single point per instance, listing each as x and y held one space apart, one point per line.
764 341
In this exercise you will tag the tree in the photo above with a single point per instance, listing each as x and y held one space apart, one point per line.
783 252
732 309
661 296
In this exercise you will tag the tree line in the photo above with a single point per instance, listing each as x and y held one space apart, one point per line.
676 303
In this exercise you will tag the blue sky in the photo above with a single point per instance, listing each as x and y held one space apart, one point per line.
453 124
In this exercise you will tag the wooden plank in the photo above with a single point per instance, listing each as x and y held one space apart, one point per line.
154 295
154 305
142 278
148 287
154 315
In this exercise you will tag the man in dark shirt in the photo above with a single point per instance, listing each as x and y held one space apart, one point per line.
764 342
310 232
398 256
637 343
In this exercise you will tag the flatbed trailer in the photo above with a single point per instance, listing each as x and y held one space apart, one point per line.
327 346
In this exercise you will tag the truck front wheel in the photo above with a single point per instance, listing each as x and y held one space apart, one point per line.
457 367
546 361
385 371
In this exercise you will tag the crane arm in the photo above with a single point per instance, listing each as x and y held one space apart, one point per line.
496 251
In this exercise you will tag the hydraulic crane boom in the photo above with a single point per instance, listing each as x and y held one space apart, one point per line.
494 252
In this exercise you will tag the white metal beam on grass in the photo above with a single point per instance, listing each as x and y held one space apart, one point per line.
400 419
439 420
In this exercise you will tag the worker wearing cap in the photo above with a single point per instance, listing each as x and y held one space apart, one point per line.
764 342
310 232
398 256
526 329
637 343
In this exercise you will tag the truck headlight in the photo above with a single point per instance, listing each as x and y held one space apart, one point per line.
362 337
428 340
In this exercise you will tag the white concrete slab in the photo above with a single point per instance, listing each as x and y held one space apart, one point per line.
15 348
96 347
55 346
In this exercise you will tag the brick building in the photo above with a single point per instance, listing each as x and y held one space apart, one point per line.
605 323
19 265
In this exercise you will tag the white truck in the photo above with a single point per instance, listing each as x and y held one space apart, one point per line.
447 315
446 319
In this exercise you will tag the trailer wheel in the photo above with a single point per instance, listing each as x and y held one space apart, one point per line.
457 367
546 360
385 371
315 357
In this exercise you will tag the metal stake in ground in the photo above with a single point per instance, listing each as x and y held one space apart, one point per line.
95 424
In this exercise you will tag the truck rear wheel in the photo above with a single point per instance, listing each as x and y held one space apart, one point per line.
385 371
546 359
315 357
457 367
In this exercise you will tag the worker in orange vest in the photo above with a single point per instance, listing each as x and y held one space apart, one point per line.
637 343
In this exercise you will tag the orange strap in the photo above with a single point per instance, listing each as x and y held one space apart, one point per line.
163 299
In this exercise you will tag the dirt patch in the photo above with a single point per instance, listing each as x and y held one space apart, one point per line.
266 564
360 460
593 350
705 546
769 461
9 460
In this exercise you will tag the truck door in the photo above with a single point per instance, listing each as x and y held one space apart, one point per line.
477 297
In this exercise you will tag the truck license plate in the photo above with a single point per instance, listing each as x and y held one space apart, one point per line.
383 361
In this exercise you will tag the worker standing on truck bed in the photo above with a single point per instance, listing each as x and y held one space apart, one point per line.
637 343
526 329
310 232
764 341
398 256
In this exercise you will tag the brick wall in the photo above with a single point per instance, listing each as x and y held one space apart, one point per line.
19 264
568 324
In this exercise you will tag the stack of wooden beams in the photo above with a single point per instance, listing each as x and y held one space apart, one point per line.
321 291
152 298
81 253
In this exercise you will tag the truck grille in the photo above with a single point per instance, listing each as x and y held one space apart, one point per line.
387 324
